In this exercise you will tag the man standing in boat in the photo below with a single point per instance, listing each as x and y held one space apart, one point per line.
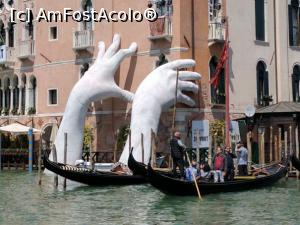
242 159
177 153
219 166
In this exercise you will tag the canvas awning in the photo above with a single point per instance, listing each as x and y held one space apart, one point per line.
17 128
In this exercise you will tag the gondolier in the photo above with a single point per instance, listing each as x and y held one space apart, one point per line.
177 153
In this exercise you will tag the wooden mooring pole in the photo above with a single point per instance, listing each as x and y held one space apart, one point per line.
143 150
297 147
54 153
40 161
65 155
271 144
30 148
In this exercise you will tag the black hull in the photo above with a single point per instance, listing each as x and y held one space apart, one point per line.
295 162
90 177
173 186
137 168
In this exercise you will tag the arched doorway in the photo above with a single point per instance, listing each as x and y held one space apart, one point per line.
87 6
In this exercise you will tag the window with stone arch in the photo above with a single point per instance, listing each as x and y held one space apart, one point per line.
262 76
15 91
295 83
23 90
32 94
161 60
85 67
87 6
29 27
11 34
217 96
2 33
6 90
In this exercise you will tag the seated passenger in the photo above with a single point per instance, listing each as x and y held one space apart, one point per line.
190 171
204 171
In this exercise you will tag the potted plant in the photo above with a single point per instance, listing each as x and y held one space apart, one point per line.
31 111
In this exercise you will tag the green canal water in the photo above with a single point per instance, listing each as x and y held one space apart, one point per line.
22 201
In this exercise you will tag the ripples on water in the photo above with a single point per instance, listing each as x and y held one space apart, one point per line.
22 201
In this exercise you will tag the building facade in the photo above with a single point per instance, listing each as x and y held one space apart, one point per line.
42 60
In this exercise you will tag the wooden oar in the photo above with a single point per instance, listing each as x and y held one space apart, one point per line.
196 184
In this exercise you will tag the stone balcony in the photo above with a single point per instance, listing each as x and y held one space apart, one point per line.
216 33
161 29
83 40
26 49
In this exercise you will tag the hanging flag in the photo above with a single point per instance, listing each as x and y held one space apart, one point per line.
216 76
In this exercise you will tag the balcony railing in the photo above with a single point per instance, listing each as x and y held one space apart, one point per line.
83 39
7 54
26 49
216 32
161 29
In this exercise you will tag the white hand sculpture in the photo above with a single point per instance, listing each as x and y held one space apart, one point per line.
155 93
98 83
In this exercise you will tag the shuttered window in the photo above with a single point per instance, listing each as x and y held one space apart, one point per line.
260 19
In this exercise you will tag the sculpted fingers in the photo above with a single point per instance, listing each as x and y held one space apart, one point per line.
101 46
179 64
188 86
188 75
123 53
113 48
123 94
186 100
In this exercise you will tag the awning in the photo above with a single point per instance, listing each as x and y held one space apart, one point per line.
17 128
280 108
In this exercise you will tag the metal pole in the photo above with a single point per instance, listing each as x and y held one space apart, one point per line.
30 137
65 155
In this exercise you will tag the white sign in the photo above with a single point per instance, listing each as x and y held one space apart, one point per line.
200 134
235 131
2 53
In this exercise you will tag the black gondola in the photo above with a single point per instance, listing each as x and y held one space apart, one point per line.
91 177
137 168
174 186
295 161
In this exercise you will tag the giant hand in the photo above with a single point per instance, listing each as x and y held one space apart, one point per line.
155 93
97 84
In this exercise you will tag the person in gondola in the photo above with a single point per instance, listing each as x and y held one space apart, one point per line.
177 153
242 159
190 171
219 166
230 164
204 172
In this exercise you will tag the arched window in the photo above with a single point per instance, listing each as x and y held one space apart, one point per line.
161 60
6 95
295 83
32 94
218 94
23 99
262 76
11 34
15 93
2 33
29 29
83 69
87 6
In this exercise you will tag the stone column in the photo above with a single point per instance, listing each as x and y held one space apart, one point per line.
6 36
3 99
271 144
20 99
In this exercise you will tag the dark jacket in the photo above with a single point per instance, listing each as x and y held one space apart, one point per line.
223 164
229 158
176 150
